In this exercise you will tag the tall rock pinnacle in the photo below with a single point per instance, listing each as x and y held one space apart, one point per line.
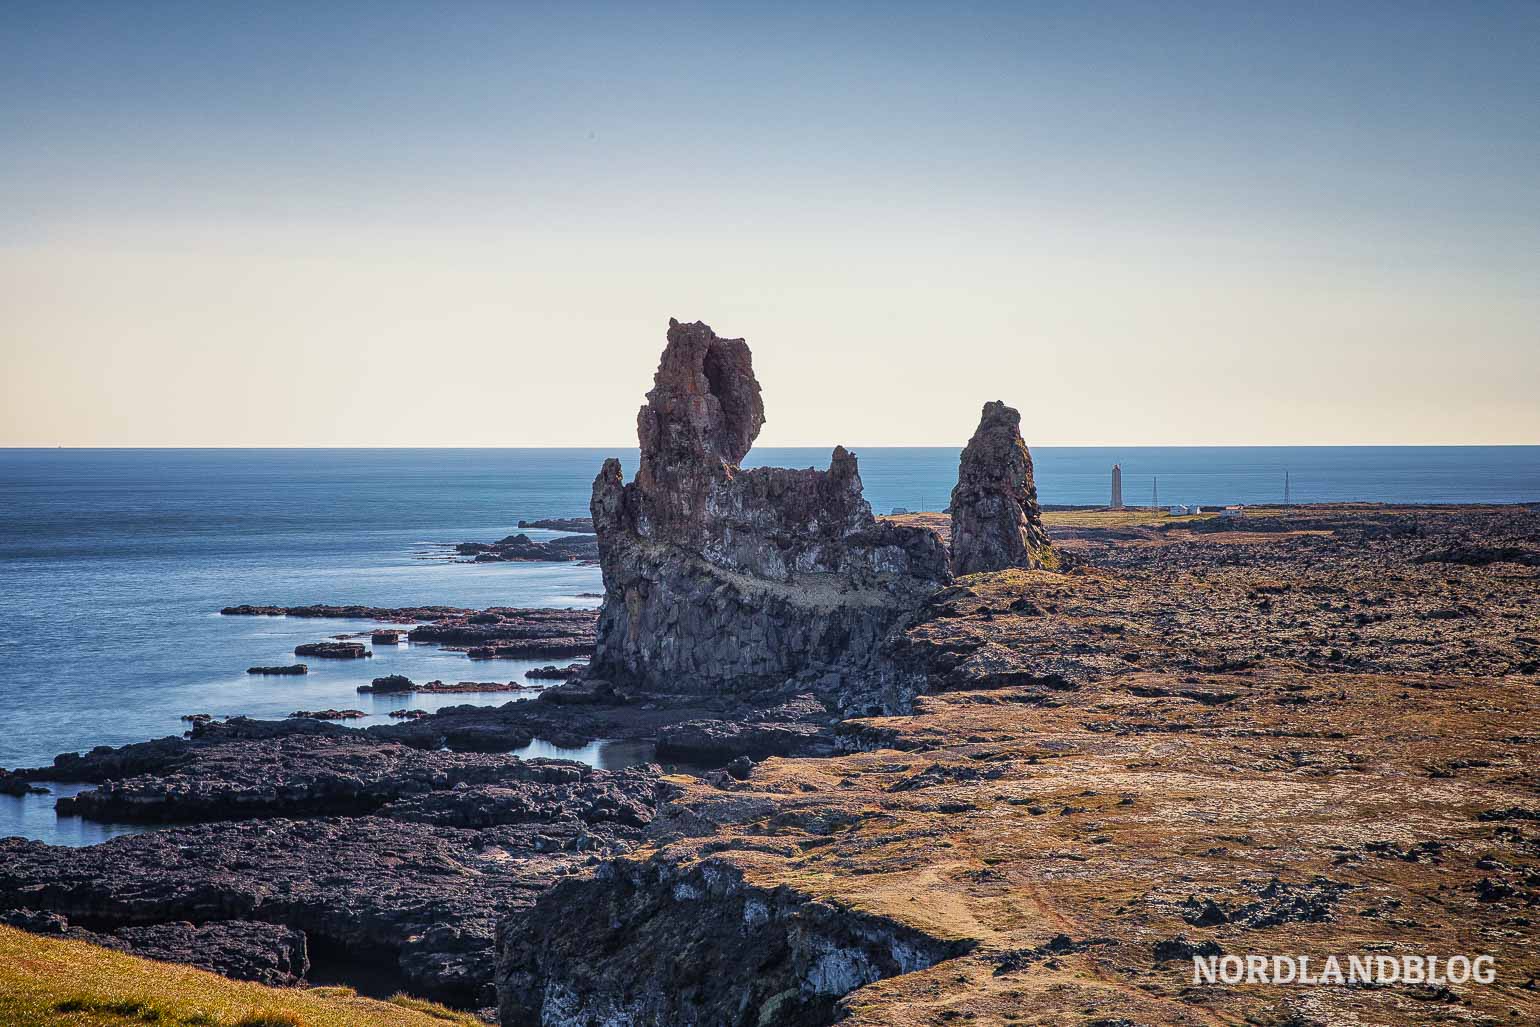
996 522
721 578
701 417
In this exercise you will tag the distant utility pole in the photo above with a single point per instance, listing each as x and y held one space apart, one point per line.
1285 488
1155 493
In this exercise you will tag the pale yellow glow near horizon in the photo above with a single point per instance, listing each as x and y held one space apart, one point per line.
257 337
469 224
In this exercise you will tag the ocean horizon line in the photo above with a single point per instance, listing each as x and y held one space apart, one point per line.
324 446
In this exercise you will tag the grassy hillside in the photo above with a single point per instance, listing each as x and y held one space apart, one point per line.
47 981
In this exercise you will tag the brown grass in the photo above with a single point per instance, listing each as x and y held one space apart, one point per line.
49 982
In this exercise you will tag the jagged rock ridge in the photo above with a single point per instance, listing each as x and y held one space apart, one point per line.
996 522
717 577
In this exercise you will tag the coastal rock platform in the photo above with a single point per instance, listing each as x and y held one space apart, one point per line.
416 858
1276 739
1306 732
496 632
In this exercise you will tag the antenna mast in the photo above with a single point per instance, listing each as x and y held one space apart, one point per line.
1285 488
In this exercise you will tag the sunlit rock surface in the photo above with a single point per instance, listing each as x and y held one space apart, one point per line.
721 578
996 522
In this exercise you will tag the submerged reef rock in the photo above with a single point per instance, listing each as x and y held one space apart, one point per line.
996 522
720 578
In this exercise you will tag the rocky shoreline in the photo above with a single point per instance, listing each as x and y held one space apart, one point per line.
397 684
499 632
1272 659
1015 770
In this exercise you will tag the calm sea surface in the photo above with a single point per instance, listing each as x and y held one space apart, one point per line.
114 563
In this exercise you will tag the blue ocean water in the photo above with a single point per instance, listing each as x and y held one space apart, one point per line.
114 563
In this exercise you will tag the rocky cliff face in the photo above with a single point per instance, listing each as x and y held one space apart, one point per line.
720 578
686 941
996 522
368 859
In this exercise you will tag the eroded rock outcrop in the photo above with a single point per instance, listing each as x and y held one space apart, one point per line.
702 945
394 861
996 522
721 578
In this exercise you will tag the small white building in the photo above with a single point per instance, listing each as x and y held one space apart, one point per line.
1178 510
1232 513
899 510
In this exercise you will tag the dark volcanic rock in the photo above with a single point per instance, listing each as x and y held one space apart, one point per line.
561 794
36 921
450 844
397 683
500 631
719 741
327 610
572 670
329 714
292 668
514 633
658 942
581 692
568 714
390 683
478 735
166 755
302 776
243 949
247 729
523 548
584 524
333 650
422 897
529 649
1484 555
105 762
720 578
996 522
701 417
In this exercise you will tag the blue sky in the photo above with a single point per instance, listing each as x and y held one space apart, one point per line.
286 223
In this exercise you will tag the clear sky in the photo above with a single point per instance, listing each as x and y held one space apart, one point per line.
468 223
